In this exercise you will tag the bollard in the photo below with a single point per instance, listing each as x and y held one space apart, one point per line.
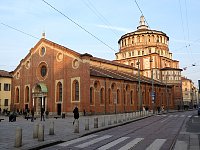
41 132
119 119
95 122
103 121
35 131
87 124
18 137
76 126
109 121
115 121
51 129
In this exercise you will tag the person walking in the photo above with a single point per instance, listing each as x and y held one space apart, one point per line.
76 114
42 114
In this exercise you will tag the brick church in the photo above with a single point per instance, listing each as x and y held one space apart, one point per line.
57 79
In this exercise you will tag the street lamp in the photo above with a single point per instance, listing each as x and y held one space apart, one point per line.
139 90
152 87
167 94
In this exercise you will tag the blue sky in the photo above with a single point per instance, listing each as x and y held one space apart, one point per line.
106 19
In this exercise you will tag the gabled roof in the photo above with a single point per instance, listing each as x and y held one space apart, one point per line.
6 74
50 43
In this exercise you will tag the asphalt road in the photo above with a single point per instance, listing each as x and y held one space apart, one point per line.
159 132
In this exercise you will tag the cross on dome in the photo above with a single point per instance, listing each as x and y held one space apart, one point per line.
142 24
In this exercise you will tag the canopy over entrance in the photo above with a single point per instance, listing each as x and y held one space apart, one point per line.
39 90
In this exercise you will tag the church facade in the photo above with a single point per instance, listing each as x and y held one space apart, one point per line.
57 79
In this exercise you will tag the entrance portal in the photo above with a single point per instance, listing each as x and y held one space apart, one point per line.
39 97
58 109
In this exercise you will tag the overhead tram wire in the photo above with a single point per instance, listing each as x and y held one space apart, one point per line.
141 13
187 47
18 30
79 26
99 15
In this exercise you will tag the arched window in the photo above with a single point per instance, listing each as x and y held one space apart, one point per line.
91 95
109 96
124 97
17 95
102 96
59 91
118 96
75 90
131 96
27 94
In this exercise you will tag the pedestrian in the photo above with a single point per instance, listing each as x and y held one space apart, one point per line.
76 114
32 114
42 114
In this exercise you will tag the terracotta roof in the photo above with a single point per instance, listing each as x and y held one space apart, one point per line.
4 73
112 62
114 74
169 68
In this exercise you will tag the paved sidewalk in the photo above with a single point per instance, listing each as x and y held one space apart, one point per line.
63 129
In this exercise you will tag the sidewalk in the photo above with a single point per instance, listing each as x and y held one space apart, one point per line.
63 129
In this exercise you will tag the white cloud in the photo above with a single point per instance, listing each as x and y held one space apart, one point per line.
115 28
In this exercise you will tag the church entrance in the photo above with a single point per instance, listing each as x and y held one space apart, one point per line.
58 109
39 94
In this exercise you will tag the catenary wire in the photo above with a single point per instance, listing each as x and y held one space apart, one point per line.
79 25
99 15
19 30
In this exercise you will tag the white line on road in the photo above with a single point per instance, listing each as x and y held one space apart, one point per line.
189 116
156 145
182 115
196 116
86 144
113 143
131 144
164 120
77 140
181 145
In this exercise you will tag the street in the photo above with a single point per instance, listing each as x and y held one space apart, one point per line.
157 132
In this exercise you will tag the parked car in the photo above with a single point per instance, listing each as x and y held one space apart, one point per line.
199 111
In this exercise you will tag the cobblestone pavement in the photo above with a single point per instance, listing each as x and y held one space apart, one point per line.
63 129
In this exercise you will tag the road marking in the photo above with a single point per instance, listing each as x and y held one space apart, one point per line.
189 116
86 144
164 120
164 115
156 145
170 115
196 116
180 145
182 115
77 140
175 115
131 144
113 143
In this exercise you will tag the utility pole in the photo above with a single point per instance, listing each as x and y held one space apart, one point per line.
152 87
139 90
167 93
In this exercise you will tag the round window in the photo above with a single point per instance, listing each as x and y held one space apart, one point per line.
43 71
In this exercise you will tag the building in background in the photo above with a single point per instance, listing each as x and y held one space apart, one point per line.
150 48
190 93
5 90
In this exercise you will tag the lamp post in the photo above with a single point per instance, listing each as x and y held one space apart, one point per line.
139 90
167 93
152 87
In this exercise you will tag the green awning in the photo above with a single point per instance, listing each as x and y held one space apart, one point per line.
43 87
